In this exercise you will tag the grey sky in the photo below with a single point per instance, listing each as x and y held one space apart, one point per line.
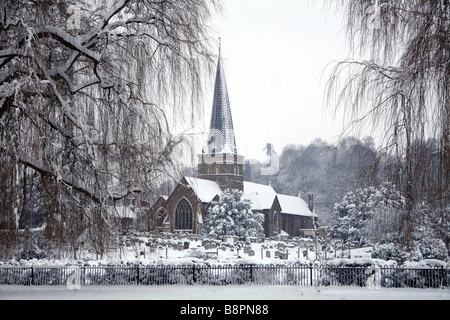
276 59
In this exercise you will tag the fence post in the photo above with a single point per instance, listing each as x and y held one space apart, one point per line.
32 276
138 277
311 275
83 276
251 273
194 280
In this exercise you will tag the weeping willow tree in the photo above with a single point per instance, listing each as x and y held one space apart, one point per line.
401 88
88 93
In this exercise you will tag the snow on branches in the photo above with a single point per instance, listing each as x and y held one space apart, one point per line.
232 216
86 90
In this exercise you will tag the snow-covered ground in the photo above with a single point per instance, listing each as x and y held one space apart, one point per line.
232 292
263 253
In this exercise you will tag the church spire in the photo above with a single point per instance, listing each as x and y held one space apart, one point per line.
221 133
221 164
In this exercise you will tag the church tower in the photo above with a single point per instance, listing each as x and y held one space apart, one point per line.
221 163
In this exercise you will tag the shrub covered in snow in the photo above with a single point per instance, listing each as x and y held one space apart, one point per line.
368 215
390 251
232 216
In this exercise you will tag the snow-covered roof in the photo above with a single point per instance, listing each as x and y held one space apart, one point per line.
205 190
294 206
261 196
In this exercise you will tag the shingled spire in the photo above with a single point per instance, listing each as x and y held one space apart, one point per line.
221 133
221 164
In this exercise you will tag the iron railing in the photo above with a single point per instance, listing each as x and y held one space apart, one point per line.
300 275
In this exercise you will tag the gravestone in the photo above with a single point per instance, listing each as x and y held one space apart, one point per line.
253 239
228 239
205 242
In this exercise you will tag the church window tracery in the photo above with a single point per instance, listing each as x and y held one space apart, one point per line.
183 215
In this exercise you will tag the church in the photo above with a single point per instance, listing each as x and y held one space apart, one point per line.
220 167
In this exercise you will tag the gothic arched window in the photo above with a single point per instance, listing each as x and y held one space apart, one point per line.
183 215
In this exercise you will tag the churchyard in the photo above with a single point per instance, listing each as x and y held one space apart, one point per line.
188 248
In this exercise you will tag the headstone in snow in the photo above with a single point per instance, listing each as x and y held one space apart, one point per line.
228 239
205 242
253 239
251 253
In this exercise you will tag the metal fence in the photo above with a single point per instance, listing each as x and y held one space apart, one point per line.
299 275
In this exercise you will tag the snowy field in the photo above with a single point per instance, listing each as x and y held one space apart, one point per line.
231 292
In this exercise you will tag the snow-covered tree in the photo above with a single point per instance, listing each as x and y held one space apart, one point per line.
88 93
232 216
368 215
427 238
398 82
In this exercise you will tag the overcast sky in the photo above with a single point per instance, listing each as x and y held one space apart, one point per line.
275 56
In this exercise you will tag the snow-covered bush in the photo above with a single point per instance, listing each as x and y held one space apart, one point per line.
33 253
368 215
390 251
426 234
232 216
